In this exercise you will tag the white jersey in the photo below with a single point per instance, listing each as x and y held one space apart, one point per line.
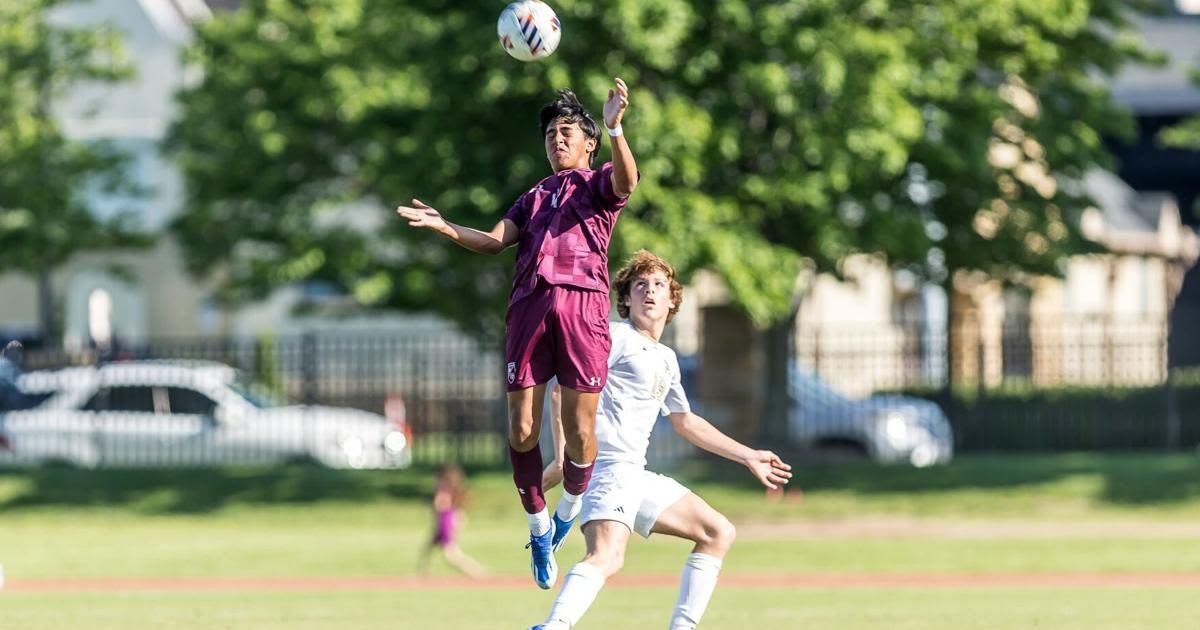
643 383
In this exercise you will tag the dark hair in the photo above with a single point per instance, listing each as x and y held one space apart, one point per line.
453 480
568 107
638 265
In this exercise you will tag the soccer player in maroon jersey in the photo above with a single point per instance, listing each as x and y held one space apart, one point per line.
557 320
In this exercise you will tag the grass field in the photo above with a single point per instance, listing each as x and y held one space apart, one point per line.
835 555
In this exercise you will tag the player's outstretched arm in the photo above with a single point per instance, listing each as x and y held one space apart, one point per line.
624 174
764 465
552 475
500 238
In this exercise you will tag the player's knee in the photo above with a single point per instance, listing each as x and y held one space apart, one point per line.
612 563
719 533
579 440
609 561
725 533
520 430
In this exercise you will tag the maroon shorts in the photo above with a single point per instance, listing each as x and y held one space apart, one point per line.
558 331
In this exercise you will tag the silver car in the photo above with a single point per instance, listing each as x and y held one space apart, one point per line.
889 429
164 413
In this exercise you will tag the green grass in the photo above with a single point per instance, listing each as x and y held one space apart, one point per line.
301 521
505 609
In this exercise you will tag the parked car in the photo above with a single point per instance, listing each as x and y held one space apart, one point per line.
887 428
171 413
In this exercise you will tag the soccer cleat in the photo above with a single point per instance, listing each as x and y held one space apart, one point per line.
551 625
545 569
561 529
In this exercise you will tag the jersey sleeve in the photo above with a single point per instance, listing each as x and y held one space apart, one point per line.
676 400
602 187
519 212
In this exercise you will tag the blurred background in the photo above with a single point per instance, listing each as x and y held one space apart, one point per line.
991 208
953 235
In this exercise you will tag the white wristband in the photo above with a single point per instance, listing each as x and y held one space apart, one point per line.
615 131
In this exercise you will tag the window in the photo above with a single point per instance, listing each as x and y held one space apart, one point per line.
122 398
190 401
1188 7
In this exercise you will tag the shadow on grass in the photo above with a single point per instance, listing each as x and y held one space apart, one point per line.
204 489
1127 479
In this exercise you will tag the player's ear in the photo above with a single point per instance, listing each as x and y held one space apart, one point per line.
590 145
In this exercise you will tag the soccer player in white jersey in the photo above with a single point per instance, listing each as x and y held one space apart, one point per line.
624 497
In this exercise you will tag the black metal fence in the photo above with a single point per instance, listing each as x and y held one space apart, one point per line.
447 386
1054 383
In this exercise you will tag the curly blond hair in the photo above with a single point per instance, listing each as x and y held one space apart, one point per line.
640 264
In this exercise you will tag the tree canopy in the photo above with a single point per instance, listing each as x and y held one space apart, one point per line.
45 178
939 136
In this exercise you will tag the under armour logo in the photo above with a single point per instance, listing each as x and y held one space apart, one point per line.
594 381
520 490
554 200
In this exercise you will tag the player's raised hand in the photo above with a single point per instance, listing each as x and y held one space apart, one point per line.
614 107
422 216
769 469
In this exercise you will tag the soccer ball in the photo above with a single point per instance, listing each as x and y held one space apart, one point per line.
528 30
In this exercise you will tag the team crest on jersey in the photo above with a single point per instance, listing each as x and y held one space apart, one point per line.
512 372
660 386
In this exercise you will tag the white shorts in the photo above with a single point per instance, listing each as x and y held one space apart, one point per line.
629 494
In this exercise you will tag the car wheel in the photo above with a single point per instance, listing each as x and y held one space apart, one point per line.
842 451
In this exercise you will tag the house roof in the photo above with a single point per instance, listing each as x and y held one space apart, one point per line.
1135 222
1122 207
223 5
1167 89
190 11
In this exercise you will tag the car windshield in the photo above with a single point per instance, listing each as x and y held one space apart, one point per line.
258 396
805 381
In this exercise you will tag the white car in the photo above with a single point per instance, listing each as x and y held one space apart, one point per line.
171 413
888 429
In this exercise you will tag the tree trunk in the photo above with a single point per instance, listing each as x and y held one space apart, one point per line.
732 372
949 382
46 322
779 340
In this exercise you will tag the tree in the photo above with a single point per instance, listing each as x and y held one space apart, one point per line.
44 177
308 107
764 133
938 137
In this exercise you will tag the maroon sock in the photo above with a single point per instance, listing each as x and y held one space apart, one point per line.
576 478
527 474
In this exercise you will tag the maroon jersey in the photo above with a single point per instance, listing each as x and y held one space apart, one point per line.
565 224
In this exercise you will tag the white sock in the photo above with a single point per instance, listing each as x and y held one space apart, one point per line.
695 589
579 590
569 506
539 523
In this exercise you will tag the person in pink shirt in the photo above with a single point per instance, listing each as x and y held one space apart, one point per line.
449 500
557 319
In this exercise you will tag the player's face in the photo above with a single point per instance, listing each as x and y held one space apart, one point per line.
567 146
650 296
